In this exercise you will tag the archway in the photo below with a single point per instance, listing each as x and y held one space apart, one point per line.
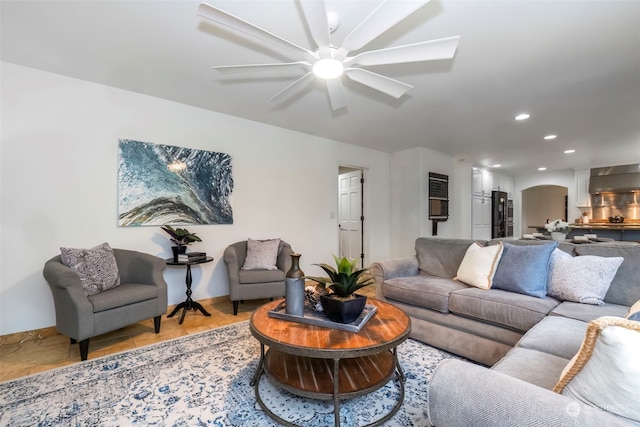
542 203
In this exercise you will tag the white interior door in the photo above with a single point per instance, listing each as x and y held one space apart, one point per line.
350 214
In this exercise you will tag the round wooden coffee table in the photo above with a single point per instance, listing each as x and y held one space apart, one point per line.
330 364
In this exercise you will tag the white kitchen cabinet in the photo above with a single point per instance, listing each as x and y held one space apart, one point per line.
481 217
583 198
510 187
476 182
487 182
503 183
498 182
482 182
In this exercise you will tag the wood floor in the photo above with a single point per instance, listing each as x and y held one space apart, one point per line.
31 352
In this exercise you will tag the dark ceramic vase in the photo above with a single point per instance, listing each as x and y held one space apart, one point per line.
177 250
343 311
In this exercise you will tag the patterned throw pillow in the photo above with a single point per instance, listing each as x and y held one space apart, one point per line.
605 373
261 254
96 267
584 279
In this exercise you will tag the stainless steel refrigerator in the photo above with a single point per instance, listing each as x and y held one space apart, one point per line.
499 211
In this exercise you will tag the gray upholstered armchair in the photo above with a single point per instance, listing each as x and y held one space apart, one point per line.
255 284
141 295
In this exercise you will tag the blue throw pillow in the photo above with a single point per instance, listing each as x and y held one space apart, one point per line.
524 269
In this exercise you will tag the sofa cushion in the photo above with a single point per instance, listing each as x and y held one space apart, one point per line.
532 366
509 309
126 293
625 287
586 312
606 373
479 265
423 290
524 269
555 335
441 257
583 279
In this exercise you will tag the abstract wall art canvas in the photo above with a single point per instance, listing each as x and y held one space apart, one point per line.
162 184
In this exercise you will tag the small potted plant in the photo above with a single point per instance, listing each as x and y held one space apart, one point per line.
181 237
341 304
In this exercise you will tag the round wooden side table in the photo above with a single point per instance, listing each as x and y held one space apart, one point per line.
334 364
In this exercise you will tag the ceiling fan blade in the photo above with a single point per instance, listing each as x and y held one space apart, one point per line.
237 24
337 97
250 68
280 95
386 15
424 51
378 82
315 14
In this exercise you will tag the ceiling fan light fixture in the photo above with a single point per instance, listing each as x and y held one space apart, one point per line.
328 68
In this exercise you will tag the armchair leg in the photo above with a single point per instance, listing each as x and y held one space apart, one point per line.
84 349
73 341
235 307
156 323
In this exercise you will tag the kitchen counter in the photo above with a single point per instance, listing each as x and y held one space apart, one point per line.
607 226
618 231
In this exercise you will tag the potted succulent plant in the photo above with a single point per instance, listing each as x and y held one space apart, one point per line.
181 237
341 303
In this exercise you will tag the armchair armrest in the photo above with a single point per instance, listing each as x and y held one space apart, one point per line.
231 259
284 257
139 267
464 394
71 303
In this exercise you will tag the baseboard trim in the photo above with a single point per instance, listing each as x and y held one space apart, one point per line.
19 337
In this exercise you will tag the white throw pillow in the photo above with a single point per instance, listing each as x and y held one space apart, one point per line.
479 265
584 279
261 254
605 373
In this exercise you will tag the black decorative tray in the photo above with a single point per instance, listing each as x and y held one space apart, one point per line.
315 318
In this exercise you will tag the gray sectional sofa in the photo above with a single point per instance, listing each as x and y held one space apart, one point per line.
524 341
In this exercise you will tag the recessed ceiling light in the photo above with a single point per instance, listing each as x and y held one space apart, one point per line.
542 169
497 166
522 116
569 151
550 137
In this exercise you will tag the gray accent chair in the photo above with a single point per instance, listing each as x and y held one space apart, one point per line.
141 295
255 284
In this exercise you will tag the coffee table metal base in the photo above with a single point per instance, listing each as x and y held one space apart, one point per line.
321 378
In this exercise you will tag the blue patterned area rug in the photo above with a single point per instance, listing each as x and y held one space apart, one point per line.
199 380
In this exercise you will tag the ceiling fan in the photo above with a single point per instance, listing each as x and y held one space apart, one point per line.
330 62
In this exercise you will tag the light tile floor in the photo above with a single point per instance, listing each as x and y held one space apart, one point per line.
36 351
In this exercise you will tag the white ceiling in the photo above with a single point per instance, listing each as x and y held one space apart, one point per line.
573 65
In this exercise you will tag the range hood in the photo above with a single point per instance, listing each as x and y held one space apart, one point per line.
615 179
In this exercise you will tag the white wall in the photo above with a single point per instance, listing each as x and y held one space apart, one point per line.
59 154
410 197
